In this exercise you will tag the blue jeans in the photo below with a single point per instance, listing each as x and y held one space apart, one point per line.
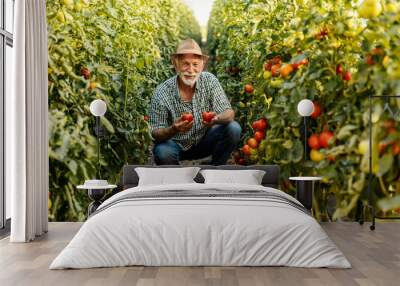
219 141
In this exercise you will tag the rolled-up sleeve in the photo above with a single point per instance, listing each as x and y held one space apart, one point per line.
220 101
158 113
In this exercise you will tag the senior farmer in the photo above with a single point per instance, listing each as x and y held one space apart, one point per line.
190 115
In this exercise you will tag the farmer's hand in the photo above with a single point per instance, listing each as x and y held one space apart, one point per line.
181 125
212 121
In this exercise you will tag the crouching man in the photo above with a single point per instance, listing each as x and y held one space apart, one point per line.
190 115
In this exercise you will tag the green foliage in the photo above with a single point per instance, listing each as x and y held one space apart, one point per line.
126 47
245 35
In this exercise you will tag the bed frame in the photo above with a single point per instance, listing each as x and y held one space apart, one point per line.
271 178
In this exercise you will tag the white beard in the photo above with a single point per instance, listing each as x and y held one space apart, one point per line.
190 83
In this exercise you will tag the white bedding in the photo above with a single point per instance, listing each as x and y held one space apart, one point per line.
226 231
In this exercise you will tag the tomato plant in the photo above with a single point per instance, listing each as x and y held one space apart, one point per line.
115 50
295 49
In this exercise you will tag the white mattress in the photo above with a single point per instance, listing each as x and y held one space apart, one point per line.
203 231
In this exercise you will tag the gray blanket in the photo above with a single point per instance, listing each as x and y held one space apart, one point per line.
202 194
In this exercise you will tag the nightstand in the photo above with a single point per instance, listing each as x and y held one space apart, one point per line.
97 190
305 189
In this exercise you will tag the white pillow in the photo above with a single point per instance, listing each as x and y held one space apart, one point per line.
163 176
249 177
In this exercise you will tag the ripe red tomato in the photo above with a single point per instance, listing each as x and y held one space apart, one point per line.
259 135
389 123
236 155
303 62
382 147
267 66
263 123
391 130
324 139
241 161
260 124
377 52
252 143
276 60
331 158
85 72
246 149
275 70
256 125
369 60
339 69
295 66
248 88
208 116
146 118
317 110
347 76
187 116
396 148
313 142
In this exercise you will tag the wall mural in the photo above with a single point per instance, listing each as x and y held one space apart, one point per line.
268 55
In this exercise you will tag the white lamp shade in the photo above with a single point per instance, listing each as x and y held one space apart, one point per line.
98 107
305 107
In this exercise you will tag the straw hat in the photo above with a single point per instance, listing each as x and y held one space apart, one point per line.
189 46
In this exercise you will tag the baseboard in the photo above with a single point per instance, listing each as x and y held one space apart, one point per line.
5 231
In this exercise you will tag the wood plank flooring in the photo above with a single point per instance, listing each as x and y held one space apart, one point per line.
375 257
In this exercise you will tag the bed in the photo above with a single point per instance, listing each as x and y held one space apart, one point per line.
198 224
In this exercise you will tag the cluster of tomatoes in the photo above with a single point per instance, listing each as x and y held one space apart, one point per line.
319 141
259 127
346 75
275 68
390 127
86 73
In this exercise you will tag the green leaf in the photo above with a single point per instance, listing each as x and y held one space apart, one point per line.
297 152
288 144
73 166
346 131
107 124
385 163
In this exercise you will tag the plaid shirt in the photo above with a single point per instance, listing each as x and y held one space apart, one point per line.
166 107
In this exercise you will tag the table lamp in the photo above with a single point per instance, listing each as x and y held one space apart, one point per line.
97 188
98 108
305 184
305 108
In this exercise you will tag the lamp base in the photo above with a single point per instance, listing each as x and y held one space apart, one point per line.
99 130
96 183
304 193
93 207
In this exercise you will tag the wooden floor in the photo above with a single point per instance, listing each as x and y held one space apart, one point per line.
375 257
